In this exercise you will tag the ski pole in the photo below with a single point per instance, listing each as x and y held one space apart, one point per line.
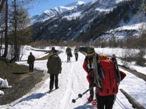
80 95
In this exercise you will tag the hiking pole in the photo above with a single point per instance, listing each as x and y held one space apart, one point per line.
80 95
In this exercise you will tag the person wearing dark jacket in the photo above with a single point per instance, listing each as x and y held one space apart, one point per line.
76 53
30 61
69 53
54 68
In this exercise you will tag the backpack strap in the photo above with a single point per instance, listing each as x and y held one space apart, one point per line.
97 78
117 72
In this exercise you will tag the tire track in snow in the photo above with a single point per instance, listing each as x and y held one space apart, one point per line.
68 91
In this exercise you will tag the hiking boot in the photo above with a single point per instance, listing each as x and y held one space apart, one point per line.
50 91
57 88
90 98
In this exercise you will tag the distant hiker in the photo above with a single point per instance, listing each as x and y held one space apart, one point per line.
76 53
107 81
54 68
69 53
53 49
30 61
88 67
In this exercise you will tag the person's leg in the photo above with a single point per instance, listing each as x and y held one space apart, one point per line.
67 58
29 67
92 90
51 81
56 81
76 57
91 93
110 102
32 67
100 101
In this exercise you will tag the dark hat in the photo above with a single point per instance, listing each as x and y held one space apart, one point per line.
53 48
90 50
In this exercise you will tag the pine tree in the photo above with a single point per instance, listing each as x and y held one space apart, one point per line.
19 20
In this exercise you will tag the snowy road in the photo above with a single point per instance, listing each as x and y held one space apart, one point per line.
72 81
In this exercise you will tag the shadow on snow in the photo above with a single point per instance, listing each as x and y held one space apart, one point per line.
85 106
32 96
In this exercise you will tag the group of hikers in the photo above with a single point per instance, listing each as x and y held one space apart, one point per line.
103 74
31 57
69 53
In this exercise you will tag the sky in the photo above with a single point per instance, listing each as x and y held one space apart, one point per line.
41 5
72 81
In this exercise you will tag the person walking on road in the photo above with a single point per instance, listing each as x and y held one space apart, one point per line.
88 67
54 66
76 53
69 53
30 61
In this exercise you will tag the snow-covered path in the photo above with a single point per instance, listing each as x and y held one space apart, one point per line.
72 81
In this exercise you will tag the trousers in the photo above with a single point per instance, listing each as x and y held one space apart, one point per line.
53 77
105 102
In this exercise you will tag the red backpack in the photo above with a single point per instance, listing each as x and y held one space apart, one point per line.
108 81
107 77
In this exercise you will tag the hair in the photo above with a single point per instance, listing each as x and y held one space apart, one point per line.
53 48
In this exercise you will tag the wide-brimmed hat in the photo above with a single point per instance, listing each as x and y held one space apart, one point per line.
90 51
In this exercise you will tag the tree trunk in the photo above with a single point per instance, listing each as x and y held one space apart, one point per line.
6 31
2 4
15 33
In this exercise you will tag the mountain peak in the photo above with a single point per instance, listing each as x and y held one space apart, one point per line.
77 3
86 21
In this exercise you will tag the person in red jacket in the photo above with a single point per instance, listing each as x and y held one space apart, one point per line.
88 67
110 77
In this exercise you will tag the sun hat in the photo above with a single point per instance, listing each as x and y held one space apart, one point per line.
90 51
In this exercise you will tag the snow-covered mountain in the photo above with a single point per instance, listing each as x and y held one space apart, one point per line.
82 21
56 11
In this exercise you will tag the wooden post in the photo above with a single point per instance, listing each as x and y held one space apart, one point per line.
134 103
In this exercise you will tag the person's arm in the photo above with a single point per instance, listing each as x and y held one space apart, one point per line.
90 78
34 58
60 63
48 63
28 60
85 66
123 75
66 50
